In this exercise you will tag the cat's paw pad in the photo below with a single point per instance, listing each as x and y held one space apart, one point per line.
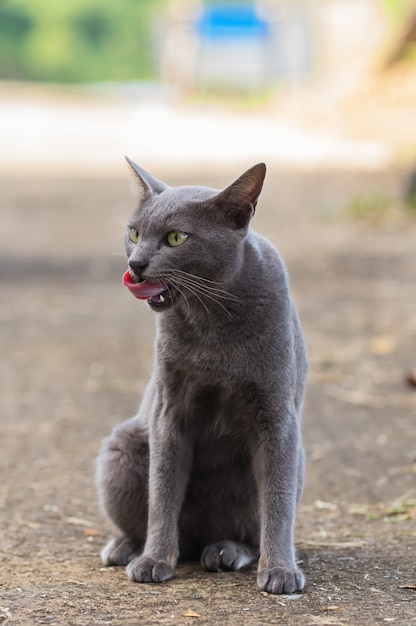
144 569
226 556
280 579
119 551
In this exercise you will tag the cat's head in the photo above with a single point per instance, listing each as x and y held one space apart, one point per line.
183 243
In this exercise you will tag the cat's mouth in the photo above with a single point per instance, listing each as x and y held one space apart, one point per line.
158 295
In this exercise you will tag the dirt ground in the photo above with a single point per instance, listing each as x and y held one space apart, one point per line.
76 351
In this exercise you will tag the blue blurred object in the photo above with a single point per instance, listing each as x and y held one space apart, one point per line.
238 46
231 21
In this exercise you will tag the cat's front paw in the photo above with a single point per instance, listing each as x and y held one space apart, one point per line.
280 579
144 569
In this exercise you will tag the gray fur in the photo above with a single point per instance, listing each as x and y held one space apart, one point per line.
212 465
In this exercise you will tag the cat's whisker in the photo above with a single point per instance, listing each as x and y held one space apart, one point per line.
203 281
213 299
215 292
182 294
198 282
183 284
208 280
219 304
176 282
197 290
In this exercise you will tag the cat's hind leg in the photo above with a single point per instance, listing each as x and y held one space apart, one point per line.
120 551
122 480
225 556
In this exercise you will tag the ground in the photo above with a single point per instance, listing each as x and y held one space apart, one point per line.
76 351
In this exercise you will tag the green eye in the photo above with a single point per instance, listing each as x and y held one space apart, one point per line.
177 238
134 235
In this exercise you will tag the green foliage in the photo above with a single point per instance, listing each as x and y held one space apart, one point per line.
411 202
377 207
401 510
397 10
77 40
371 207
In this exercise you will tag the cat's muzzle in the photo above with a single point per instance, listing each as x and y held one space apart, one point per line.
159 296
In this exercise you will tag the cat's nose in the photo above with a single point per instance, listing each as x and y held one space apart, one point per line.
138 267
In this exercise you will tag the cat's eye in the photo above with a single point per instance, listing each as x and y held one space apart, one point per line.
177 238
134 235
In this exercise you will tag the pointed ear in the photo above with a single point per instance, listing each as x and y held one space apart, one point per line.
149 184
238 201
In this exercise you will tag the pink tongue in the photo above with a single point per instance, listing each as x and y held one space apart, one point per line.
143 290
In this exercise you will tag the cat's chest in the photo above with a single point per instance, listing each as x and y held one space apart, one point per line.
213 378
215 413
214 350
212 403
206 380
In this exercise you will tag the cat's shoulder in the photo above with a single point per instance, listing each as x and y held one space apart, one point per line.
264 249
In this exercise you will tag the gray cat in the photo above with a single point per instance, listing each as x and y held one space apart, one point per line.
211 467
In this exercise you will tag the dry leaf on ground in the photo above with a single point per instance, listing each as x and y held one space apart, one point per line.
190 613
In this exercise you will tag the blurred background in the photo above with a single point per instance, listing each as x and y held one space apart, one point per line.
323 91
304 82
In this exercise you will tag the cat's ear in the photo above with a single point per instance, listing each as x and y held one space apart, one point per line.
148 183
238 201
